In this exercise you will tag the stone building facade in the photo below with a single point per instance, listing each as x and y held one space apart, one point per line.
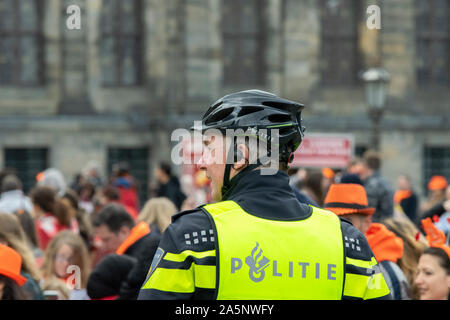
103 91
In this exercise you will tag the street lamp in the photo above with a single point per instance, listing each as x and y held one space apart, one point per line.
375 80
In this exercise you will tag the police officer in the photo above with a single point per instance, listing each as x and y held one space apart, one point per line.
257 241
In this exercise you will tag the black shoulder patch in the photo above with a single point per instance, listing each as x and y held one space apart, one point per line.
355 243
182 213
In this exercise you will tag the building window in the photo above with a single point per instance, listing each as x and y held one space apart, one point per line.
121 42
436 162
243 42
26 163
137 160
340 61
433 41
21 42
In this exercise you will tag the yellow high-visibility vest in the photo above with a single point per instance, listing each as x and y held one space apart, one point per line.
267 259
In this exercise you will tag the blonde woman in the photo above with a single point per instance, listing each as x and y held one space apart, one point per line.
67 259
413 243
157 213
13 236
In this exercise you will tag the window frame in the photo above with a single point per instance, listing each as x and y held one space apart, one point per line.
426 75
327 35
118 34
429 168
238 38
17 148
17 33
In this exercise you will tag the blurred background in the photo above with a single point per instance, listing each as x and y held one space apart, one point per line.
114 90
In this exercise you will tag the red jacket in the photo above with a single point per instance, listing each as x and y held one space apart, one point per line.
48 226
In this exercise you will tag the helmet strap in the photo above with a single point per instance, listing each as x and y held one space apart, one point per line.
229 184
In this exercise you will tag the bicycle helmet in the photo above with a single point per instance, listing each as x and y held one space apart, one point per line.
256 110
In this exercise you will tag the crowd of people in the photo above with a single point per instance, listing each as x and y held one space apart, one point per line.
93 240
393 220
90 240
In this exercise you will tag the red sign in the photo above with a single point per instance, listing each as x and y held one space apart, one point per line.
324 150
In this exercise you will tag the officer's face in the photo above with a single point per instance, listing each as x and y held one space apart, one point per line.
213 162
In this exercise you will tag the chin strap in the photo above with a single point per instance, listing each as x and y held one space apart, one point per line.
228 184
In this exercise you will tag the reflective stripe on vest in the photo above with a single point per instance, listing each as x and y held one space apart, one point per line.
267 259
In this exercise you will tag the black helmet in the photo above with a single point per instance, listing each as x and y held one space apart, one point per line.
258 109
255 110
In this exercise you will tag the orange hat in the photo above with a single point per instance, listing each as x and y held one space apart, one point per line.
328 173
437 183
435 237
346 198
10 264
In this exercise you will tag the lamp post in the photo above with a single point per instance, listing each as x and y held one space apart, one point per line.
375 80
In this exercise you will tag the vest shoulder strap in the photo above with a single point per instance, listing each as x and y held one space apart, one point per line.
221 207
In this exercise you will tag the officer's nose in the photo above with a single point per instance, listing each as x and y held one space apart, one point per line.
201 164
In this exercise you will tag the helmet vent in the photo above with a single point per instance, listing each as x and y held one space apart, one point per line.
248 110
279 118
219 116
277 105
212 108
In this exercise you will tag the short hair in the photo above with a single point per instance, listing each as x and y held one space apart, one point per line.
372 159
257 149
351 178
111 193
114 216
11 182
166 168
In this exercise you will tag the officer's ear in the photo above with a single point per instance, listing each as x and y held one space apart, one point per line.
242 155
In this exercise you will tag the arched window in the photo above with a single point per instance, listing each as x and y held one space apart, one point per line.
21 42
121 41
243 42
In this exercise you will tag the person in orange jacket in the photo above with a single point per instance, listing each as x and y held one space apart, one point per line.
120 234
349 201
405 198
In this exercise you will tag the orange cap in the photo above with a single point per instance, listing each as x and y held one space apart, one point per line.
328 173
437 183
346 198
10 264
